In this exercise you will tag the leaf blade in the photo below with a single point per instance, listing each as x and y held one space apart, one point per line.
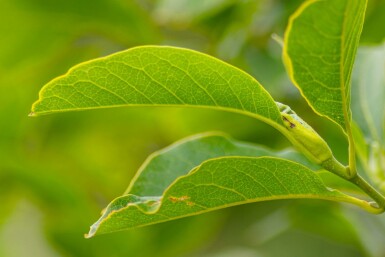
162 168
209 188
154 75
320 45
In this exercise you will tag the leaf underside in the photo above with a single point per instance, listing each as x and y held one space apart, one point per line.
169 186
207 172
162 168
217 183
156 75
320 46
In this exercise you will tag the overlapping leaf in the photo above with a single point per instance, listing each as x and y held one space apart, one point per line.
163 167
218 183
320 46
172 183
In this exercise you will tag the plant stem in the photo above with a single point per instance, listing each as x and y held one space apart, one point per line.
367 188
352 154
337 168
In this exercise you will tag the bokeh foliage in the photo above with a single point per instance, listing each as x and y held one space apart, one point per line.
58 172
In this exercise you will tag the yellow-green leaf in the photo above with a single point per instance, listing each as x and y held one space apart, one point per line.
161 168
215 184
158 76
165 169
320 46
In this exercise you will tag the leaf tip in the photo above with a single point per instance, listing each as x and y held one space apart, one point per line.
87 236
92 231
35 111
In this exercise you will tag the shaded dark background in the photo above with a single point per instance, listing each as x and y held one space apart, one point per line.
58 172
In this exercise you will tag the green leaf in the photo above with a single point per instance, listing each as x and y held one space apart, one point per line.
158 76
162 168
161 76
219 183
320 46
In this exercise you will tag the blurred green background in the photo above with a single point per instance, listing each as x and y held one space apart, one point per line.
58 172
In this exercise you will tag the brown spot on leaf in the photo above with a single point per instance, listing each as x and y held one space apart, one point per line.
292 125
178 199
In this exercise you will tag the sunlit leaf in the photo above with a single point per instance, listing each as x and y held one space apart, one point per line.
158 76
320 46
218 183
163 167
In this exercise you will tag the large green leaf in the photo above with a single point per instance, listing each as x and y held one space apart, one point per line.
153 75
163 167
219 183
170 175
320 46
161 76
